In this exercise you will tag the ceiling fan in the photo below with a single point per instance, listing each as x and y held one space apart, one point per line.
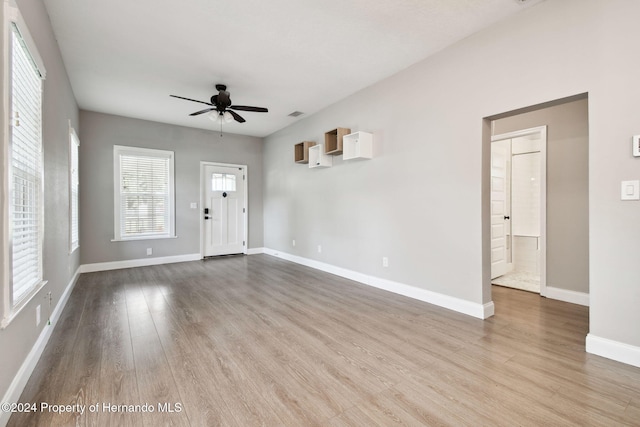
222 106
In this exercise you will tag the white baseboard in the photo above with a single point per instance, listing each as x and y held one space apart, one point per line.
565 295
255 251
22 376
142 262
456 304
614 350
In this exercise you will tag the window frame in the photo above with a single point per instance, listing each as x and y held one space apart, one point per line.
13 19
119 150
74 189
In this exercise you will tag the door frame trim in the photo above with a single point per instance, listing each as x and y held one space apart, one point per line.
542 130
245 181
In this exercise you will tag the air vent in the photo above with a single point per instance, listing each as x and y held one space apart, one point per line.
296 114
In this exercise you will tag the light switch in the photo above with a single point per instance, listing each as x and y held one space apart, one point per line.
194 205
630 190
636 145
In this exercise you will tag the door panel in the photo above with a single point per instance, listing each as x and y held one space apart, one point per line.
500 233
224 188
233 211
526 194
215 222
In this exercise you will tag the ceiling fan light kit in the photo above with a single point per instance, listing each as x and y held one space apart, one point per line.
220 118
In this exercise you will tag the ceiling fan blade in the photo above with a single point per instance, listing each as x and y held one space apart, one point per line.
189 99
248 108
237 116
206 110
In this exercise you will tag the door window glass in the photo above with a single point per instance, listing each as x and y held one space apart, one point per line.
223 182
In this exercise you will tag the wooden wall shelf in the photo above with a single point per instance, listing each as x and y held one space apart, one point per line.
301 151
333 140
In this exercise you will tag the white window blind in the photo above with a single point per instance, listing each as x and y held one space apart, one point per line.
74 183
144 193
26 217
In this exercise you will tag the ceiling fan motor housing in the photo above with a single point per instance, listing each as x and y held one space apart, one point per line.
222 100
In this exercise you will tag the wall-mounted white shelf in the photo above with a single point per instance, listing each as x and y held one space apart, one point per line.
357 145
318 158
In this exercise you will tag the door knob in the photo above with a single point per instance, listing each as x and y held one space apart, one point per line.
506 217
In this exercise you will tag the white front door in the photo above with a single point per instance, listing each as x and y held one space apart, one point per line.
500 206
224 209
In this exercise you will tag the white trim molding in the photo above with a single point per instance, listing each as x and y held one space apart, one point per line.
481 311
255 251
22 376
613 350
143 262
566 295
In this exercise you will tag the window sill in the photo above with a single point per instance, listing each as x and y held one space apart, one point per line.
134 239
22 304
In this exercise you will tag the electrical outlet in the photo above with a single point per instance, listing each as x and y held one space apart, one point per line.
385 261
319 249
293 242
149 251
38 315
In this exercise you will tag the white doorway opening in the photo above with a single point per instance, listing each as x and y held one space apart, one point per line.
224 209
518 209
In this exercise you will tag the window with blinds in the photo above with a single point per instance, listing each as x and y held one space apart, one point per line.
26 206
74 183
143 193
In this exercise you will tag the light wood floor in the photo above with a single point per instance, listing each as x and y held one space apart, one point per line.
255 340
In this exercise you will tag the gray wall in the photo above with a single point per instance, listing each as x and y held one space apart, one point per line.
59 107
567 189
423 200
100 132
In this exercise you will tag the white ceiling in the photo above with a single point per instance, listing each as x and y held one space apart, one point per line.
126 57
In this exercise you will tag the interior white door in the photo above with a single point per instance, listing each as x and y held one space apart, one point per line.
223 209
500 207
